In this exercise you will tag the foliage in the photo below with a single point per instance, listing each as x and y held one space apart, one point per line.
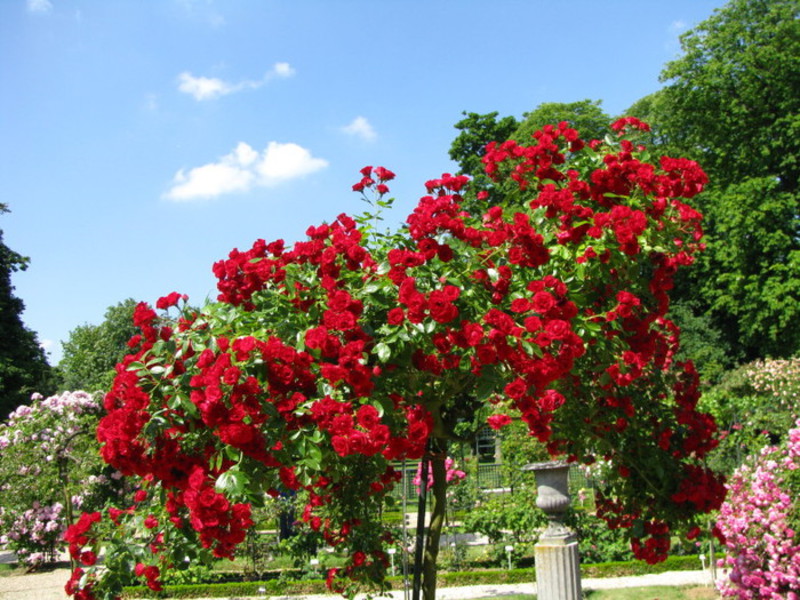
701 342
732 102
92 351
23 365
477 131
507 517
517 449
755 404
748 277
50 466
734 89
585 116
759 521
325 363
596 542
469 147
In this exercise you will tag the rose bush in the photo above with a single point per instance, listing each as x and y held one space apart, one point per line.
754 405
50 466
326 362
760 521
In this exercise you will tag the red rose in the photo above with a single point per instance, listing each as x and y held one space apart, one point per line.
396 316
497 422
368 416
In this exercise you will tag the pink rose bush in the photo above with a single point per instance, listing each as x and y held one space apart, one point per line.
50 467
453 475
760 521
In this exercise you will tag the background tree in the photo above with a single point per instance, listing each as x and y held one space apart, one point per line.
585 116
469 146
23 365
92 351
732 102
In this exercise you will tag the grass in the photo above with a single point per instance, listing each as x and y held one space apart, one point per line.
639 593
658 592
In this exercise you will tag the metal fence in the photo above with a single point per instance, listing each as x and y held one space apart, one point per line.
486 476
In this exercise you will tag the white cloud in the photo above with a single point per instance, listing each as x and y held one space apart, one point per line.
210 88
242 170
47 345
360 127
202 88
287 161
283 69
40 6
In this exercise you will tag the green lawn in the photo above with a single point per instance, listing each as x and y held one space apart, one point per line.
640 593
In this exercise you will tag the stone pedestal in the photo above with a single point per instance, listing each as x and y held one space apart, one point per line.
558 575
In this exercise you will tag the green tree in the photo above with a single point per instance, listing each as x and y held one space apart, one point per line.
732 102
586 116
468 148
23 365
92 351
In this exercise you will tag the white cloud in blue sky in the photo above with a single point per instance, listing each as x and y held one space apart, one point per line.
210 88
360 127
244 169
40 6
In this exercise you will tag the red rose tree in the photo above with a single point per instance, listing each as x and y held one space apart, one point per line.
326 362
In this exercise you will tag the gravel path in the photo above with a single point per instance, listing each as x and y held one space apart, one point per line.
35 586
50 586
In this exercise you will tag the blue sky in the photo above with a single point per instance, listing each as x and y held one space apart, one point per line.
141 141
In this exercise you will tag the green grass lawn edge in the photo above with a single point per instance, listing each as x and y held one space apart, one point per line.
277 587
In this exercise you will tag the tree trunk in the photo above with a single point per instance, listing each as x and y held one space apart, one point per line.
437 521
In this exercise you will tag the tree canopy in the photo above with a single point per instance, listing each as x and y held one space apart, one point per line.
469 147
92 351
585 116
477 130
23 364
732 102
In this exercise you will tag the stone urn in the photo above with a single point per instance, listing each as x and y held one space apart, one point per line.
558 575
552 486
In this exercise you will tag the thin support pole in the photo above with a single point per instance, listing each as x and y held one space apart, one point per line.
423 496
405 532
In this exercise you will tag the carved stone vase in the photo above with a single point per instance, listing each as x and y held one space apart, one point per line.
558 575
